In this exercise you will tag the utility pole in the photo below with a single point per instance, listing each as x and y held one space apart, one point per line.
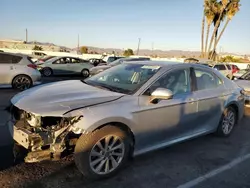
78 47
152 47
138 48
26 32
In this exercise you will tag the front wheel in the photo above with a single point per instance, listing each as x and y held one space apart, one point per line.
102 153
227 122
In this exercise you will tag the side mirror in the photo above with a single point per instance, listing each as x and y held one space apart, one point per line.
161 94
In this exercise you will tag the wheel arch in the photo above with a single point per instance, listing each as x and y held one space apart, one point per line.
235 106
123 127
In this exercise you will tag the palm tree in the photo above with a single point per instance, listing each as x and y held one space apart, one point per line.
232 9
216 9
209 17
224 4
202 30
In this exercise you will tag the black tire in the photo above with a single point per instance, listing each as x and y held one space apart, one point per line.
87 142
85 73
47 71
221 128
22 82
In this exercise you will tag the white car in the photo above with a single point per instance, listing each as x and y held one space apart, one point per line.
225 69
18 71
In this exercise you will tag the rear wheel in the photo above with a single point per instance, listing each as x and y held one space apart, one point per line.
21 82
47 71
85 73
227 122
102 153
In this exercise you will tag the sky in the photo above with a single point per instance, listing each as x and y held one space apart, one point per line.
163 24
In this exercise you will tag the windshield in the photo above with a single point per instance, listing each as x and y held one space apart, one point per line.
124 78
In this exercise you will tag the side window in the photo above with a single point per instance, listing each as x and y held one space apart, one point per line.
206 80
63 60
177 81
73 60
9 59
220 67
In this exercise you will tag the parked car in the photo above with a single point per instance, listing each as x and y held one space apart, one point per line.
96 61
240 73
244 82
65 66
127 110
225 69
234 68
18 71
112 58
100 68
43 59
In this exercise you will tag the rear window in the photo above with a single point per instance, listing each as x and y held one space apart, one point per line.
220 67
9 59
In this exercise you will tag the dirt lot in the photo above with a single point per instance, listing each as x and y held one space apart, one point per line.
170 167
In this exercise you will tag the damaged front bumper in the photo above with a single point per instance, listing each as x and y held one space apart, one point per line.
44 138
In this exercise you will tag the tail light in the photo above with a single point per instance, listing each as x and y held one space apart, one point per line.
33 66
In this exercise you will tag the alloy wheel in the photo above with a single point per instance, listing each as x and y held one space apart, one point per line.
22 82
106 155
47 72
228 122
85 73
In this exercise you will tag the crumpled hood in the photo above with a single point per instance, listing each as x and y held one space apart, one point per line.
57 98
245 84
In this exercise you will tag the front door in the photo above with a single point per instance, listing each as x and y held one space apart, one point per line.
168 120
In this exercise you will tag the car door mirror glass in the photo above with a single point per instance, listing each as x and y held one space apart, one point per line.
161 94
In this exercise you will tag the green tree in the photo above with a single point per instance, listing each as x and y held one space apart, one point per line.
128 52
84 50
229 58
36 47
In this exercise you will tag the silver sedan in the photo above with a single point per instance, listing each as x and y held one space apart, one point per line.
124 111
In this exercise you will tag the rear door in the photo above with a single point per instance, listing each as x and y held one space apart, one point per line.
7 67
210 92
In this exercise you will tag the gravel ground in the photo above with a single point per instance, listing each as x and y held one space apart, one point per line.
168 167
